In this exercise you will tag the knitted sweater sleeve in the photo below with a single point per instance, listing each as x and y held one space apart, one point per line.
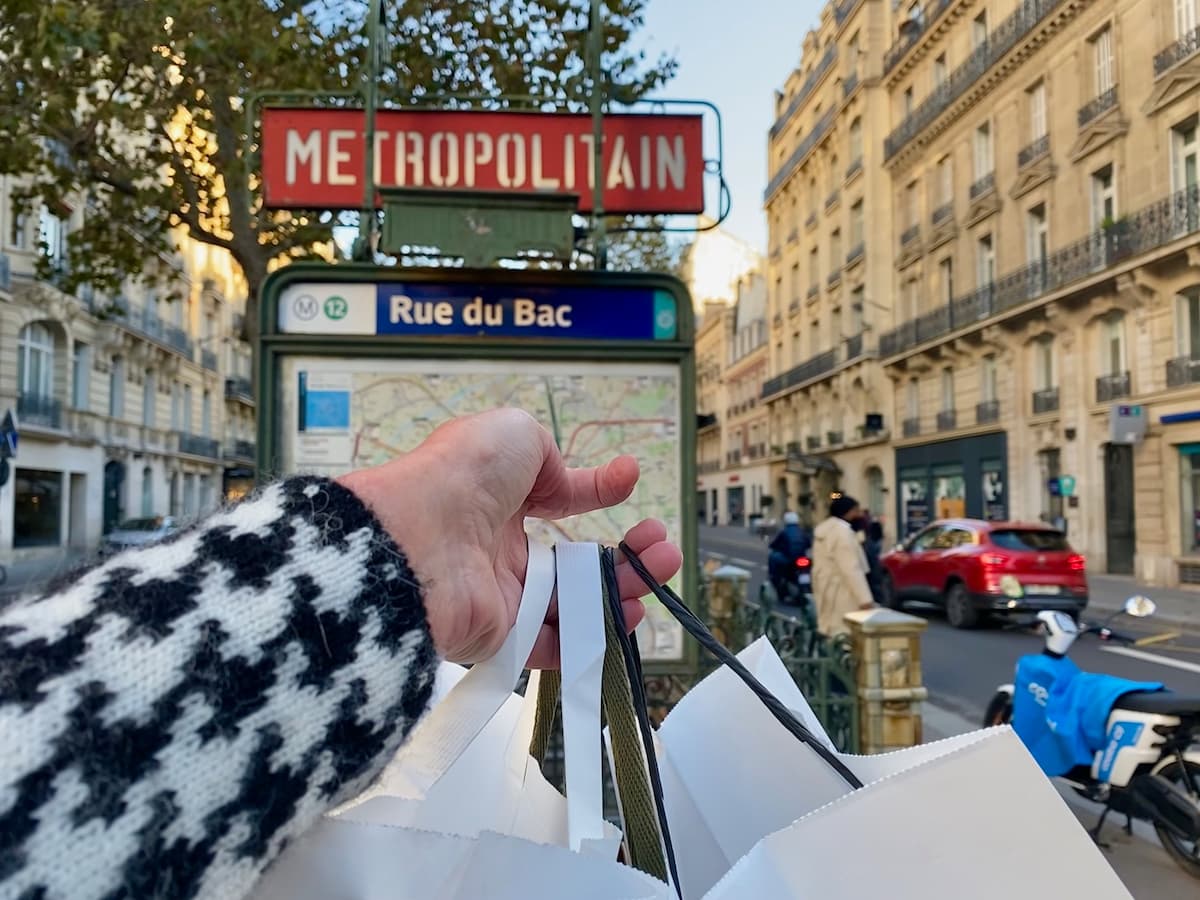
170 720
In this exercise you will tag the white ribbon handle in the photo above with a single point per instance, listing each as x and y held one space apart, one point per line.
582 643
444 734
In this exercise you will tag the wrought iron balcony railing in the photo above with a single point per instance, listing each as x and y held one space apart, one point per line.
239 449
943 213
834 438
1169 219
1113 386
909 235
984 185
1033 151
854 347
821 364
854 168
792 163
1176 53
947 419
856 253
849 83
987 412
813 442
834 196
208 359
5 273
1183 370
911 31
238 387
1028 15
1097 106
911 427
805 89
197 445
1045 401
39 409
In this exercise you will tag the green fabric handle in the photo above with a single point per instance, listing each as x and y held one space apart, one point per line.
643 839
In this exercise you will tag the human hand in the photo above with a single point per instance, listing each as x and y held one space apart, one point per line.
457 505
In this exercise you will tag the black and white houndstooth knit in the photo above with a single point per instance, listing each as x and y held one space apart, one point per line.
174 716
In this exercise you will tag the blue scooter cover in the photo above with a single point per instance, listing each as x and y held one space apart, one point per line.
1061 713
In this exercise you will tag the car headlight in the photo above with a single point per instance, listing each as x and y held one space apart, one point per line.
1010 587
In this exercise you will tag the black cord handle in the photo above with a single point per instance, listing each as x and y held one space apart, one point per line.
697 629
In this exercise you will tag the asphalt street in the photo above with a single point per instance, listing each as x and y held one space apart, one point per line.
961 670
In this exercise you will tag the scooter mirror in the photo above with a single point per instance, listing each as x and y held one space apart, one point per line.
1140 607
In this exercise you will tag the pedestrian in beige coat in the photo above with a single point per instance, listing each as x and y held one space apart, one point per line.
839 567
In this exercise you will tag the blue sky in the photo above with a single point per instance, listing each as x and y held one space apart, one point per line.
734 53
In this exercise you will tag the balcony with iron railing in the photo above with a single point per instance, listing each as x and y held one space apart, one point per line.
239 449
1150 228
793 235
756 451
1113 386
810 83
733 457
1183 370
842 11
947 420
5 273
912 29
834 196
1033 151
833 277
208 360
987 411
811 220
709 466
794 307
911 427
40 410
943 213
1177 52
237 324
816 367
813 290
849 84
983 186
1097 106
910 235
794 448
854 168
856 253
834 438
792 163
197 445
1007 35
813 442
777 321
854 347
238 387
1045 401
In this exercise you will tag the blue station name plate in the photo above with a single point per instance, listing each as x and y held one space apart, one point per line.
480 310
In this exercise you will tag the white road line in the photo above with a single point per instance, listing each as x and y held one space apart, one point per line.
743 562
1154 658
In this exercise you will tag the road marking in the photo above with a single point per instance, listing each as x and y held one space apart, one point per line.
743 562
1158 638
1154 658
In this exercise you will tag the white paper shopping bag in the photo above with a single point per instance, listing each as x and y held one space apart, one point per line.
980 821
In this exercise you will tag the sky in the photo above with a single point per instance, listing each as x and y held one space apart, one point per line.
735 54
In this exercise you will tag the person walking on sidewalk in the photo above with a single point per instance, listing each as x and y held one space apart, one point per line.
839 567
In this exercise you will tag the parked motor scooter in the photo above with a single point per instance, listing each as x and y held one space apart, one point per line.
1132 747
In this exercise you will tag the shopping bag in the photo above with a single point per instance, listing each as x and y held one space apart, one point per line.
463 792
754 812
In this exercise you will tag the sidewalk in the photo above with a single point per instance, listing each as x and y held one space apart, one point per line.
26 575
1175 606
1139 861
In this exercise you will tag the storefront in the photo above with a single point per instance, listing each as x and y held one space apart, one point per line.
952 479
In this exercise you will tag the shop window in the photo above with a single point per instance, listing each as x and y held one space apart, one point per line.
949 492
914 500
995 493
147 492
37 508
1189 470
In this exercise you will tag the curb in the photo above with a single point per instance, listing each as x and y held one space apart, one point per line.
941 722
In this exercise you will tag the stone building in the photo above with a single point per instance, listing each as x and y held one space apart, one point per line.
1045 349
128 406
828 205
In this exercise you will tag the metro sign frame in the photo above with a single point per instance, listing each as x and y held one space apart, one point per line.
312 158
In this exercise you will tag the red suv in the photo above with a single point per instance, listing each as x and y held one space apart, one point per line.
976 568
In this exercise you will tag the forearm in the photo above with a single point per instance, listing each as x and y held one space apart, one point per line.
200 702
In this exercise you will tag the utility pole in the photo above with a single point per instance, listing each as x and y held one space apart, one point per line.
596 106
364 245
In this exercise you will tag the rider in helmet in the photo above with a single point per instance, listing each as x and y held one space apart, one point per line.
791 542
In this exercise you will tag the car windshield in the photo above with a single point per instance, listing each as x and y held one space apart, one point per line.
152 524
1031 539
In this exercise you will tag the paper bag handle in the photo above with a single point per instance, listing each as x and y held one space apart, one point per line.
697 629
446 732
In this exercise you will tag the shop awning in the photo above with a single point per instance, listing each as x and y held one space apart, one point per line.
811 465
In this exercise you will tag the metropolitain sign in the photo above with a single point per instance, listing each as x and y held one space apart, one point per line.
314 158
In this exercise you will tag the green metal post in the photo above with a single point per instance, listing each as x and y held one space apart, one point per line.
596 105
364 246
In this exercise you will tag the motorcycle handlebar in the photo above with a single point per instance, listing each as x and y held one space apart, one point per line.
1107 634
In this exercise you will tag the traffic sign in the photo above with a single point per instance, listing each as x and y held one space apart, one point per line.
1054 486
1066 484
8 436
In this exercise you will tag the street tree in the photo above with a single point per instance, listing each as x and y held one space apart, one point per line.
139 108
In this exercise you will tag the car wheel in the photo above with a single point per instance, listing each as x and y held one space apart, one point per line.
887 593
960 611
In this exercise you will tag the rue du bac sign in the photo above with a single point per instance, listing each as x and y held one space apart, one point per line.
652 164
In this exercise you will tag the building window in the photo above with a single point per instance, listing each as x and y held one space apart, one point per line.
1037 234
814 268
987 380
985 261
946 274
52 235
812 196
148 399
856 141
852 52
116 388
908 100
856 224
1043 364
1189 471
1187 325
1102 59
35 361
984 164
912 399
835 250
1037 111
939 71
1183 155
187 409
1185 18
814 337
147 492
947 390
81 375
979 30
1104 198
857 311
1112 345
189 495
18 226
176 407
912 212
37 508
795 283
945 180
206 414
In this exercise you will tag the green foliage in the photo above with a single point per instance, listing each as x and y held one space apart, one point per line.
138 107
644 251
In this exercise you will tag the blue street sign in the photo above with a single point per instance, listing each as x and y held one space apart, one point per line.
8 436
1054 486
